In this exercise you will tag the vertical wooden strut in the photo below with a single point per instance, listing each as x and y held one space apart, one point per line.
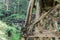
55 25
38 14
29 12
22 38
38 10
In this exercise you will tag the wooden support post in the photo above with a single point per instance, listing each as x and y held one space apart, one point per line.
38 11
36 30
38 14
51 38
55 26
38 38
48 38
41 26
50 25
56 38
35 38
29 12
22 38
41 38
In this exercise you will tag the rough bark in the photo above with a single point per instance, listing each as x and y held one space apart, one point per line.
29 12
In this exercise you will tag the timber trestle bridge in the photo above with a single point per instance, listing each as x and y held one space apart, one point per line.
45 24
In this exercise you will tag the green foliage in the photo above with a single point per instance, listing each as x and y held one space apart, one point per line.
17 10
3 27
16 16
15 33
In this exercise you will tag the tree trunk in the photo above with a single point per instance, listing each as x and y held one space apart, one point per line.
7 4
29 12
